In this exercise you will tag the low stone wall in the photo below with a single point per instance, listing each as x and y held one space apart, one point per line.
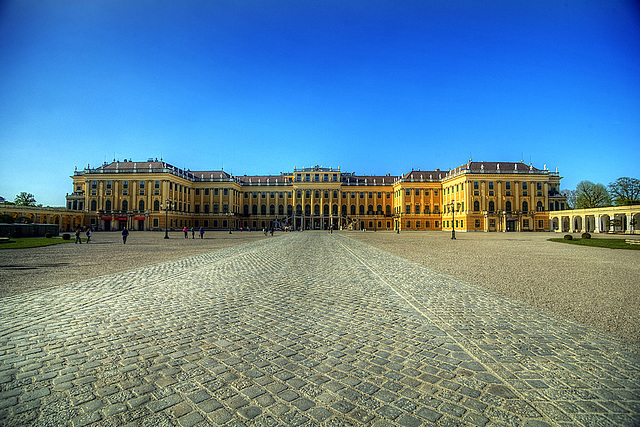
28 230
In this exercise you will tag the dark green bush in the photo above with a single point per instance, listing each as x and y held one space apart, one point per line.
586 236
66 236
47 235
568 237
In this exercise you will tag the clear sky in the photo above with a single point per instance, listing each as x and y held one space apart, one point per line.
260 87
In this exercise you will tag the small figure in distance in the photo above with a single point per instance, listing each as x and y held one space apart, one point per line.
125 233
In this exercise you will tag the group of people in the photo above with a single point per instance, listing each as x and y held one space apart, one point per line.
193 232
79 232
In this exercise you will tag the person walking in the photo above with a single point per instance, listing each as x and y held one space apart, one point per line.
201 232
193 233
125 233
88 234
186 236
78 239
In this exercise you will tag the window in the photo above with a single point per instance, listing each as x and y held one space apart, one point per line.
507 206
540 223
272 209
417 210
476 206
94 184
206 192
477 223
156 205
417 224
157 185
316 177
407 192
417 192
216 208
225 192
525 207
94 205
263 209
108 192
525 223
539 207
197 191
427 224
353 209
125 184
408 224
141 205
197 209
215 191
361 209
491 206
437 224
206 208
107 205
141 184
408 209
155 223
435 192
225 208
307 177
490 185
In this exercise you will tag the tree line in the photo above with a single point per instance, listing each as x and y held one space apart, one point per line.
623 191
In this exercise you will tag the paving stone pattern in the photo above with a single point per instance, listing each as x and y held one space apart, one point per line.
303 329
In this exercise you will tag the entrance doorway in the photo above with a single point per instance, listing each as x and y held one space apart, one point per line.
141 225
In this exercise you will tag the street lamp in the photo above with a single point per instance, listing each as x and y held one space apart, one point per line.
166 218
453 220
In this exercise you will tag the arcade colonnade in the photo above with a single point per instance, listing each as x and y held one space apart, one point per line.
613 219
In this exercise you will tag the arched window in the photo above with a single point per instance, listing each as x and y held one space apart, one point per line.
334 209
280 209
307 209
263 209
307 194
379 209
344 210
476 206
298 209
325 210
353 209
107 205
254 209
272 209
125 205
525 206
361 209
491 206
388 212
141 205
156 205
507 206
299 194
245 209
316 210
94 205
289 210
370 210
539 207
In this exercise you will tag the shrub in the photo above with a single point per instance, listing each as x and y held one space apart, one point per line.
47 235
568 237
66 236
586 236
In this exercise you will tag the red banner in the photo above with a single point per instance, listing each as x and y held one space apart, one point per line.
139 218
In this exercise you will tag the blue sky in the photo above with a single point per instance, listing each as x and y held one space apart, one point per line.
258 87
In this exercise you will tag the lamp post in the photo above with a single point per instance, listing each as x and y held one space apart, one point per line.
166 218
453 220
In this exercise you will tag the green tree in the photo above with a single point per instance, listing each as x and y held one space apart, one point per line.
25 199
571 197
590 195
625 191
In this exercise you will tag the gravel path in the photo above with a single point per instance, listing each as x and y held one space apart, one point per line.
24 270
596 286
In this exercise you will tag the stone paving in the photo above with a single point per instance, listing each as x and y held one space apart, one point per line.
302 329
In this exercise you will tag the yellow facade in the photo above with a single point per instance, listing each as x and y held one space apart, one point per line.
477 196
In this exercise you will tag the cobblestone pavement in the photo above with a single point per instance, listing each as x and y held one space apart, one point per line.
303 329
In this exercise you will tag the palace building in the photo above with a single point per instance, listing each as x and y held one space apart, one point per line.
476 196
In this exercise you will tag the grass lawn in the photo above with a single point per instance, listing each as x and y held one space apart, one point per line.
33 242
599 243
